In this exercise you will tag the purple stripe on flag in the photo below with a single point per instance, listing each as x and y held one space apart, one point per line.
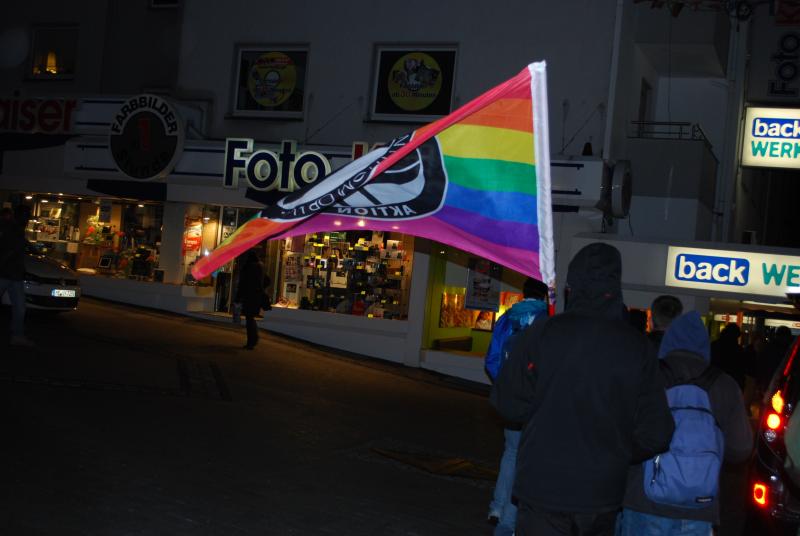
524 261
501 232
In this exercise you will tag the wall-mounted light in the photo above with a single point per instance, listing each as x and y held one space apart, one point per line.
45 201
361 223
140 206
28 197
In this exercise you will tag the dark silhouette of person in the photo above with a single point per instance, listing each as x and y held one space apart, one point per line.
638 319
663 311
250 293
771 357
12 273
587 389
727 355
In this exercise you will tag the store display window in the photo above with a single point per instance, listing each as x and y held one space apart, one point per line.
110 237
466 297
363 273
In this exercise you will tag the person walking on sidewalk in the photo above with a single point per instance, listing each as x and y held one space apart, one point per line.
678 492
520 316
250 293
12 273
587 388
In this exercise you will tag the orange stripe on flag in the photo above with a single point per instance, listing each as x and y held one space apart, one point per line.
247 236
514 114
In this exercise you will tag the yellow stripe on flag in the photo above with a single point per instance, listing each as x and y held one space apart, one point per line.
475 141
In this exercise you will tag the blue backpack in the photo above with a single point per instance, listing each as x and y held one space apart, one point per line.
687 475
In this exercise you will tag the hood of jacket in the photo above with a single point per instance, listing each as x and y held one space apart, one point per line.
685 350
594 281
687 333
524 312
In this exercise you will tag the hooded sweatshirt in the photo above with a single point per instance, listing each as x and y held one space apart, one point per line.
685 354
586 386
521 315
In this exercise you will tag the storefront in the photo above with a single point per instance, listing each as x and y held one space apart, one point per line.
743 284
133 225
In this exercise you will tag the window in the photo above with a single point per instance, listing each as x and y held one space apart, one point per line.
364 273
412 84
54 49
270 82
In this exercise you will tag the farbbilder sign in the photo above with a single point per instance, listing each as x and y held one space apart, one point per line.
772 138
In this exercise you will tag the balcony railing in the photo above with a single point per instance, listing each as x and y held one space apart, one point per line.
669 130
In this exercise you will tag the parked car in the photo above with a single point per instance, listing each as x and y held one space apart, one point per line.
774 495
49 284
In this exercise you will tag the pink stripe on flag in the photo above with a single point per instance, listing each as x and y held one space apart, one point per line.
523 261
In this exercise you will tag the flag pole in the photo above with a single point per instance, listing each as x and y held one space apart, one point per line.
541 141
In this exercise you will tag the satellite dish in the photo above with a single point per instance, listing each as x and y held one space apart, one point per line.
615 201
621 189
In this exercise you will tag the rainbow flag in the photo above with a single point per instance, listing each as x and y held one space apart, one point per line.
477 179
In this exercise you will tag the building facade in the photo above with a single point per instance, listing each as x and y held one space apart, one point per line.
138 137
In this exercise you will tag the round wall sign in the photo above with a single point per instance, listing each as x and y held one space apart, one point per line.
272 79
415 81
146 137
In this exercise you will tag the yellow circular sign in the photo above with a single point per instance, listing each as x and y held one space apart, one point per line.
272 79
415 81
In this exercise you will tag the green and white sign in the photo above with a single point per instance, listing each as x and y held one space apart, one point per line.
740 272
772 138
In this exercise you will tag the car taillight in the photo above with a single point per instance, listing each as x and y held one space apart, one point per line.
774 421
760 494
777 402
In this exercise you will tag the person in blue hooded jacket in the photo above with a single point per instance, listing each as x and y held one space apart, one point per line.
521 315
685 354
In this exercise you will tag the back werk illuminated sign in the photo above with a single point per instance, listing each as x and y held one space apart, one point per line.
772 138
742 272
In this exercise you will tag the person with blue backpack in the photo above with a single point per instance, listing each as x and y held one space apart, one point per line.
677 492
521 315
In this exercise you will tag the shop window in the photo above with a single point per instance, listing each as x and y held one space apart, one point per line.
364 273
201 234
54 49
109 237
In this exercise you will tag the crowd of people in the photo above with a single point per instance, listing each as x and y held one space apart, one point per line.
612 428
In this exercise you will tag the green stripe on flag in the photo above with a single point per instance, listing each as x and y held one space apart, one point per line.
491 175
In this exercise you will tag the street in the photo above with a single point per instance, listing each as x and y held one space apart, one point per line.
128 421
124 421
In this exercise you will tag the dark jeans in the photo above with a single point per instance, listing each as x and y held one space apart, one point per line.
535 522
252 330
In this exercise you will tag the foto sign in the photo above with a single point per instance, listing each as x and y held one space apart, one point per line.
741 272
772 138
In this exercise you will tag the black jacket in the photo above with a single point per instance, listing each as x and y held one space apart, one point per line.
250 290
586 384
12 251
729 410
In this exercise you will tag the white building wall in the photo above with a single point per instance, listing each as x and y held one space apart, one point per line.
493 44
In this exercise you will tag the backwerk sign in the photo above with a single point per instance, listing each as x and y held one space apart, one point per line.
732 271
772 138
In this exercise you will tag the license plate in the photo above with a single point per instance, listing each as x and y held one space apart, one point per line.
62 293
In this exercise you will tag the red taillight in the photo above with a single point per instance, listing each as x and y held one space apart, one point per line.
760 494
773 421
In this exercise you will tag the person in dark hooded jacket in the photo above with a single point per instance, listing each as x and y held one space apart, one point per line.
587 388
685 355
250 293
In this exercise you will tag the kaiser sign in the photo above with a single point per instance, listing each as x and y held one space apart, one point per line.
732 271
772 138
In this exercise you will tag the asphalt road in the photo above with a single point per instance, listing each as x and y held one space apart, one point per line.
123 421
